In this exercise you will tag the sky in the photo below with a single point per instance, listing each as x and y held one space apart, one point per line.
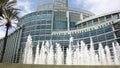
95 6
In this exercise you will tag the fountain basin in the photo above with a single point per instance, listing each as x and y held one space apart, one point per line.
6 65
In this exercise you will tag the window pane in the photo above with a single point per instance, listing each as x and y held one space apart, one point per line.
108 17
93 32
86 34
87 40
95 39
102 19
100 31
89 23
80 35
110 36
108 28
101 38
84 24
95 21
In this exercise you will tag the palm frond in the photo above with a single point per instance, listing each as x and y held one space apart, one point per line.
11 4
3 1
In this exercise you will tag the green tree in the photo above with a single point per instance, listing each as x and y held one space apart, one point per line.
9 14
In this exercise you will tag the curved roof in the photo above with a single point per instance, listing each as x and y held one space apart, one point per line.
97 16
80 10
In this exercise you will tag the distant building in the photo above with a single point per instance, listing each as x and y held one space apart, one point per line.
12 47
54 21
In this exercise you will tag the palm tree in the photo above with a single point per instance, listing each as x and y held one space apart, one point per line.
8 13
6 4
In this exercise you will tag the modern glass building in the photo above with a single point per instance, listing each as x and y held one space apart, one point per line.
103 28
55 21
51 16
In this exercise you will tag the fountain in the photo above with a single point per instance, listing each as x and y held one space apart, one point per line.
27 55
102 58
75 55
59 55
50 56
36 61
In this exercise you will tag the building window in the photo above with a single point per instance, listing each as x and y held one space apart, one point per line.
87 41
110 36
42 31
36 32
109 43
47 31
116 16
35 38
89 23
104 44
100 30
80 26
48 26
108 17
101 38
34 43
47 37
86 34
72 25
108 28
96 46
93 32
95 21
80 35
42 26
59 25
95 39
42 37
48 22
74 35
54 37
84 24
102 19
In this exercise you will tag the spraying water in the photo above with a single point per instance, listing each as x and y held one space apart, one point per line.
75 55
27 55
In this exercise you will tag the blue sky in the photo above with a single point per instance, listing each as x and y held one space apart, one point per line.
95 6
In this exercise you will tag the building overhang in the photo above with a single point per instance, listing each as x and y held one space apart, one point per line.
97 16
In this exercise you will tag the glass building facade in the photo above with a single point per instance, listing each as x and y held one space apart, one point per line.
45 20
51 16
37 24
12 47
103 28
54 21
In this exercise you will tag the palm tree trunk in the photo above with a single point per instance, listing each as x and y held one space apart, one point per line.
4 44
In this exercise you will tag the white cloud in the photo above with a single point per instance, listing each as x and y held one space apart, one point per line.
99 6
25 6
3 29
2 33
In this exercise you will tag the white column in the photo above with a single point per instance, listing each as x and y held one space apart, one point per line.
81 16
68 21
